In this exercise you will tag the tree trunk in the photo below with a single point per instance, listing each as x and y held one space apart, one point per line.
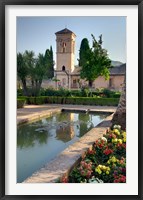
90 84
38 87
24 87
119 117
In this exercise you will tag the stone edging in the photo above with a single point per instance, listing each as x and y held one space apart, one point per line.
38 116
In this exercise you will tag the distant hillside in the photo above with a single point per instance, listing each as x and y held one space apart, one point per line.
116 63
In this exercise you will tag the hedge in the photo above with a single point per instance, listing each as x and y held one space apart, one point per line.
73 100
20 103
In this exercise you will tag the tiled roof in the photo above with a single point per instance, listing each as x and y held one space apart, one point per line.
120 70
64 31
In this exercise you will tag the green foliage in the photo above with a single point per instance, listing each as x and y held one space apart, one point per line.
52 92
73 100
96 62
20 102
49 63
34 69
22 70
83 52
31 100
19 92
84 92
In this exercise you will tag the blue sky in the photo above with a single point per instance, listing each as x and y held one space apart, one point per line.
38 33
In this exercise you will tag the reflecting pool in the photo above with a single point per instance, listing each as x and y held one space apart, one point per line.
39 142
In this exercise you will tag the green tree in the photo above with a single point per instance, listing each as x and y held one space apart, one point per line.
22 71
29 60
35 69
83 52
96 62
49 63
39 72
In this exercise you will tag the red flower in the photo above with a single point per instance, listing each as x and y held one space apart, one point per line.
107 151
120 179
64 179
91 152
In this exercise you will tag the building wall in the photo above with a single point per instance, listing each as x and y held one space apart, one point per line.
114 82
100 82
65 51
74 82
64 80
117 82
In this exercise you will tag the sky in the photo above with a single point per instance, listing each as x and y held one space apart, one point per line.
38 33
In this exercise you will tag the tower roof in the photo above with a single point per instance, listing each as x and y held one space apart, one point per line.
64 31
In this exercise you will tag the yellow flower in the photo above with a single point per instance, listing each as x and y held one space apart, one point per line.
114 159
107 172
108 168
124 134
108 162
96 169
114 140
120 141
104 167
116 131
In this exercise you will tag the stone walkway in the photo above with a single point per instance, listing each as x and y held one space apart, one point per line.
33 112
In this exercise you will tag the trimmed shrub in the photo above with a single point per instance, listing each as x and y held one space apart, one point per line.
116 95
21 97
31 100
40 100
20 103
73 100
92 101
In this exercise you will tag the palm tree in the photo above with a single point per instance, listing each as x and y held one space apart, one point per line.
119 117
22 71
40 71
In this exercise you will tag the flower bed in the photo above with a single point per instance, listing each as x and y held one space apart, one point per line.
104 163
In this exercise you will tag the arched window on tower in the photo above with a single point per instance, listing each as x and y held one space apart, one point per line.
63 68
64 47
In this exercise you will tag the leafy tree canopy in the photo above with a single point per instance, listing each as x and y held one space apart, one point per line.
95 61
35 69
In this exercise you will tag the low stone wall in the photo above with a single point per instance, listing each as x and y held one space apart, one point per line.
28 118
68 158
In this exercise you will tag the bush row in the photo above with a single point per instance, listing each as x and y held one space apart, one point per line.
73 100
21 102
83 92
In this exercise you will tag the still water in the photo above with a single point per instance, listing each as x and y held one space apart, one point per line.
39 142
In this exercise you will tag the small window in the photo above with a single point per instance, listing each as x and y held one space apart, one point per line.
64 47
63 68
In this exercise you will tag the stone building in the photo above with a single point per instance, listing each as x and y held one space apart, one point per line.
68 75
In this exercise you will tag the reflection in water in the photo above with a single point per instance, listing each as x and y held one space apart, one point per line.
40 141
